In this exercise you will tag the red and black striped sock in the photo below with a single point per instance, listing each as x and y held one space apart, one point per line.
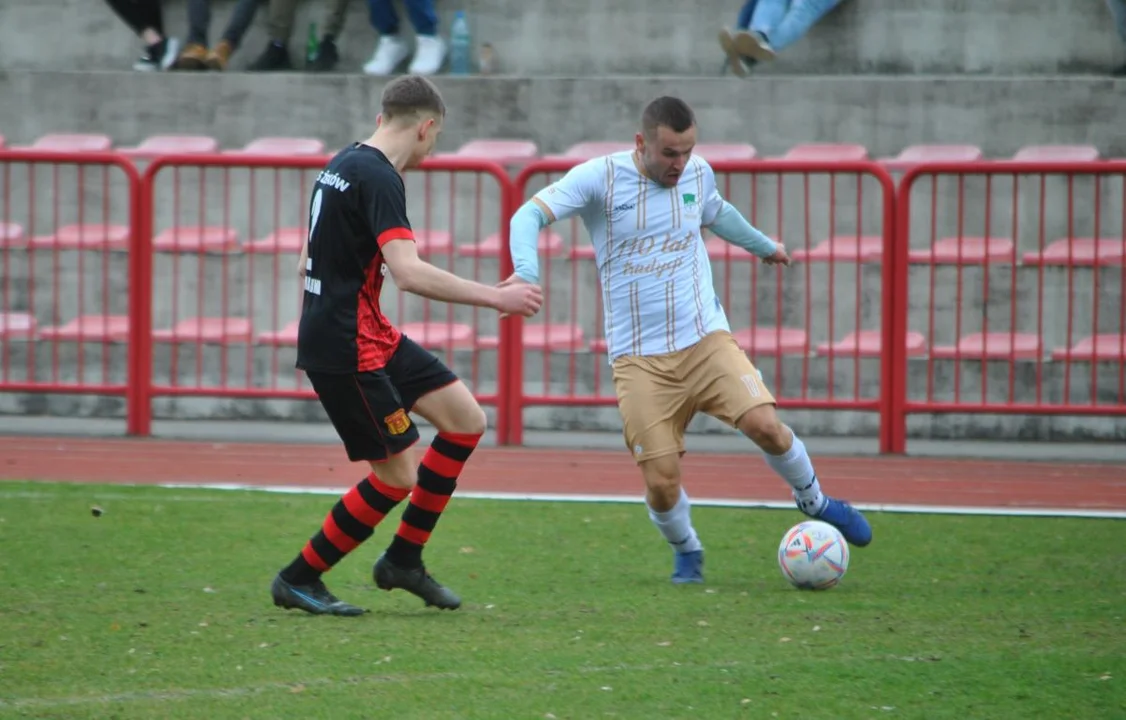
437 478
350 522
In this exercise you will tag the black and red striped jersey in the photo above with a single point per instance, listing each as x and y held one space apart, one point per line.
358 204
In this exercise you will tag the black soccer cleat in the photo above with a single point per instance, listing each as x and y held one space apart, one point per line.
416 581
313 598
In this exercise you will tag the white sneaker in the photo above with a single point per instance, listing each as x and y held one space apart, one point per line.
429 52
389 52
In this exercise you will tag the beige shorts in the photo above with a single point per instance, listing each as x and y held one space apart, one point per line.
658 395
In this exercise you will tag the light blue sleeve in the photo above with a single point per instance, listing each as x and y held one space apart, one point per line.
728 223
523 234
571 195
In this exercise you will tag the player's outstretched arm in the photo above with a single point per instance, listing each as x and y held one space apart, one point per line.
730 225
414 275
568 196
523 238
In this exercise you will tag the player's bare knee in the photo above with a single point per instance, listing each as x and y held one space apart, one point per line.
766 430
473 421
662 480
397 471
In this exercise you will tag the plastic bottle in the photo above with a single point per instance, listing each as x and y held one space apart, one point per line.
311 44
461 45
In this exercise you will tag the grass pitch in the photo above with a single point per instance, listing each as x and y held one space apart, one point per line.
160 608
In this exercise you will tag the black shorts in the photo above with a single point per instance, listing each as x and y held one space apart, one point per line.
369 409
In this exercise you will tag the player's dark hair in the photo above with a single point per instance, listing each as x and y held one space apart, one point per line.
411 95
671 112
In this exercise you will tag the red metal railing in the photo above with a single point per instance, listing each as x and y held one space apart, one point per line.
67 290
978 288
1011 278
816 351
224 307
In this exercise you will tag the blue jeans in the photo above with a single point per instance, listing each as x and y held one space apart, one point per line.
384 19
1118 12
784 22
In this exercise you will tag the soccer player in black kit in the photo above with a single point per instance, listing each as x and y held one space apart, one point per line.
368 376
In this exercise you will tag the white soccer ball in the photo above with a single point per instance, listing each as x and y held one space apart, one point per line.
813 555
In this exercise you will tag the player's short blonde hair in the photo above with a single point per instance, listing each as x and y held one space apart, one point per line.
410 97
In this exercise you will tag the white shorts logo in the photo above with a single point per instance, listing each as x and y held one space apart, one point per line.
752 385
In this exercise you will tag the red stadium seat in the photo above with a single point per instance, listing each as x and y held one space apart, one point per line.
190 238
86 237
970 251
1104 347
282 240
550 243
70 143
718 152
767 340
720 249
90 328
503 152
1080 251
285 146
843 248
210 330
286 336
992 346
827 152
548 338
17 326
157 145
587 150
869 343
11 234
918 154
1057 153
438 334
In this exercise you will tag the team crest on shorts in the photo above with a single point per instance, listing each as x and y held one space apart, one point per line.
397 422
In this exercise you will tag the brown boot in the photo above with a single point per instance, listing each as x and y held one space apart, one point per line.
218 58
192 58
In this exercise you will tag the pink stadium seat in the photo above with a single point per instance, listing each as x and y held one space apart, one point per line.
1057 153
282 240
583 251
90 328
11 234
17 326
433 242
1080 251
437 334
827 152
587 150
992 346
286 336
971 251
285 146
190 238
211 330
86 237
70 143
1104 347
767 340
550 243
503 152
918 154
869 343
718 152
157 145
548 338
843 248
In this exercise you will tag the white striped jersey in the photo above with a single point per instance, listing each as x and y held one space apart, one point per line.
657 290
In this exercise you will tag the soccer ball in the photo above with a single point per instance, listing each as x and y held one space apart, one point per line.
813 555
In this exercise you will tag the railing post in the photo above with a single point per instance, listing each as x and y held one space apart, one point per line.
139 420
508 412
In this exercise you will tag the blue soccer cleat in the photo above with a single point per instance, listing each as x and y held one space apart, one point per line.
688 567
844 517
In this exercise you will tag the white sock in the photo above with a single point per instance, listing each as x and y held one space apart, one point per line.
676 525
795 467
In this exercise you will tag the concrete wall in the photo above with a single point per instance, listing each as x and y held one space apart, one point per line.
639 37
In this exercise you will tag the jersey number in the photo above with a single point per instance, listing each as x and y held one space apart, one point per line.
315 212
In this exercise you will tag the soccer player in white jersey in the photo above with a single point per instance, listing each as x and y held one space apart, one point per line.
669 341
